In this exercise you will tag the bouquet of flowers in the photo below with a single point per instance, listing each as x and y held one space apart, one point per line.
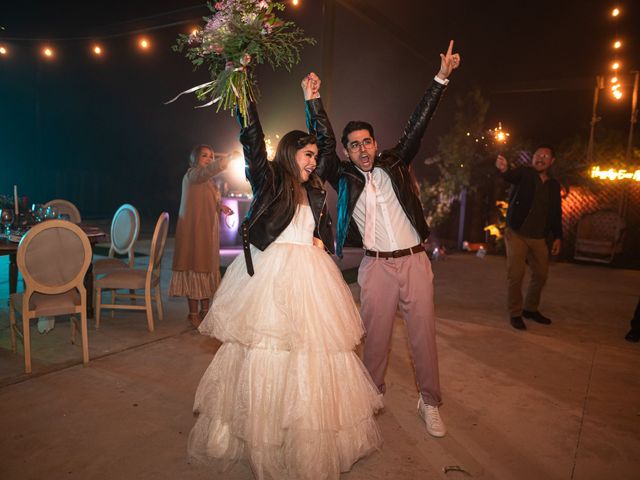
237 36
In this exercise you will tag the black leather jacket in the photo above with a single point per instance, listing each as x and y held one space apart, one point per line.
524 181
349 182
268 216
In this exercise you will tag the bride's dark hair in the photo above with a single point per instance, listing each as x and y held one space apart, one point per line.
285 158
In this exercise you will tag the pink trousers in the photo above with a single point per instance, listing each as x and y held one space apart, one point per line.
407 283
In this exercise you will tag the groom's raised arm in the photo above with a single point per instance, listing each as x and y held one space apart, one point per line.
409 143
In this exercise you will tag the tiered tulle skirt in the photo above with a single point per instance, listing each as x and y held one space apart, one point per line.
285 391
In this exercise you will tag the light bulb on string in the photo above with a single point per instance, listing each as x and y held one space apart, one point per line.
144 43
3 50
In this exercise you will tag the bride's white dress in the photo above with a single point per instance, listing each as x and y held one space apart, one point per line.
286 391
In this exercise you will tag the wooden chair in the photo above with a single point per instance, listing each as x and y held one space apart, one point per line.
53 258
137 279
125 228
599 236
67 208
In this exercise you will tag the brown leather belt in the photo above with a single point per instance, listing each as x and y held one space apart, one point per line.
395 253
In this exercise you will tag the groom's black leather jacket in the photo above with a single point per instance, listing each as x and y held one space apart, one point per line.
268 215
349 182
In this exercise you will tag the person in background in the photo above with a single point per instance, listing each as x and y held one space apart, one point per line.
534 212
634 334
196 258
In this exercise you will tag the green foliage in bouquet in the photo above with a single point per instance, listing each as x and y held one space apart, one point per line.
237 36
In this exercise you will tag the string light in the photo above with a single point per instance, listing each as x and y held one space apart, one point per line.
615 66
615 89
97 50
295 3
617 44
615 12
144 44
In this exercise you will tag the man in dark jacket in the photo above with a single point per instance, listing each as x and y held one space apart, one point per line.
534 212
378 207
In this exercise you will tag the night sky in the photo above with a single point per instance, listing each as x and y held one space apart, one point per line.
95 131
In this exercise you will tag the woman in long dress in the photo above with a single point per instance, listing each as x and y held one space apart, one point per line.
285 391
196 258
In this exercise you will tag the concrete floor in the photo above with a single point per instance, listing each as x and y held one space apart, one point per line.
554 402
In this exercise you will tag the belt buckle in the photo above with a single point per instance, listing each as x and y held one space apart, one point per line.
396 254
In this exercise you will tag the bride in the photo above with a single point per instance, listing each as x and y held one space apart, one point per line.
285 391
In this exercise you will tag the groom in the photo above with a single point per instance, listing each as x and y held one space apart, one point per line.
379 209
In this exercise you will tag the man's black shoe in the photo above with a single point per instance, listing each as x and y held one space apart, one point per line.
632 336
517 323
536 317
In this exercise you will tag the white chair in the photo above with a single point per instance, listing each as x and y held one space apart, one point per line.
67 208
125 228
137 279
53 258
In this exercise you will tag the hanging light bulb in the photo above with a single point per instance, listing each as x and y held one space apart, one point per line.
144 44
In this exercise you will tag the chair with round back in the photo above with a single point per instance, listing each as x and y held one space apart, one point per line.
65 207
125 228
53 258
137 279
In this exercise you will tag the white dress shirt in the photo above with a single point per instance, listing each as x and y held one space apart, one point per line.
393 229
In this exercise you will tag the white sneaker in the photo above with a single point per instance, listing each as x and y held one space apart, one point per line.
431 417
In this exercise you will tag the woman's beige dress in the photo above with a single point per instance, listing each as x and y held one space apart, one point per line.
196 259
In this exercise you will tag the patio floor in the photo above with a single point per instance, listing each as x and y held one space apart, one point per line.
554 402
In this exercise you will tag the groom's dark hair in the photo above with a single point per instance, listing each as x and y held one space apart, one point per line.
352 126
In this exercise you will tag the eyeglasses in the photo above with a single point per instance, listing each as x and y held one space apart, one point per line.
355 146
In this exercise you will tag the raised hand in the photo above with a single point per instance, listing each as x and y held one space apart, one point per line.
448 62
501 164
311 86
